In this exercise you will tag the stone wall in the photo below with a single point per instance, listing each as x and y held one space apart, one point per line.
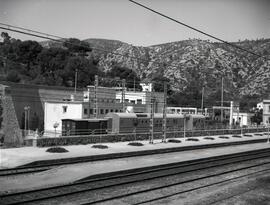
12 133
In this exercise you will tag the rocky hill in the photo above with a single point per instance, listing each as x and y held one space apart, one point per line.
199 62
192 64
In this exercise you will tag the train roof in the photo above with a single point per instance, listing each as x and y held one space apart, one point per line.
88 120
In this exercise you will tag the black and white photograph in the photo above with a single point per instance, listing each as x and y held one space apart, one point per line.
128 102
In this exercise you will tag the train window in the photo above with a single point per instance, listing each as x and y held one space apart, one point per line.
111 110
117 100
132 101
139 101
116 110
85 111
106 111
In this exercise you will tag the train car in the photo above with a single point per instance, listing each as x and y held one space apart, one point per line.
140 122
84 126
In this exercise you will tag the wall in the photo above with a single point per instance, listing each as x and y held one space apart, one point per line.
54 113
9 127
266 111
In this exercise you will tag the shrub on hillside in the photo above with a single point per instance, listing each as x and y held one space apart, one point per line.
135 144
174 140
100 146
56 150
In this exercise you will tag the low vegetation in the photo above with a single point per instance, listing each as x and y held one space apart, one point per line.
192 139
174 140
223 137
56 150
248 135
100 146
258 134
209 138
237 136
135 144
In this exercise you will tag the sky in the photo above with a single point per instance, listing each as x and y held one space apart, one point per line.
230 20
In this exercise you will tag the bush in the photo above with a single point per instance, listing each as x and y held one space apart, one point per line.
223 137
192 139
174 141
56 150
135 144
237 136
248 135
100 146
258 134
209 138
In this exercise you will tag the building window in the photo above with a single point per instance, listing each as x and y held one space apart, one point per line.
106 111
101 111
139 101
64 109
85 111
91 111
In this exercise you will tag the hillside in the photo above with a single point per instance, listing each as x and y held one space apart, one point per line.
199 62
192 64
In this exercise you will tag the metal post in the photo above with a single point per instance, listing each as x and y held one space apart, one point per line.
89 104
123 95
231 114
202 98
151 118
75 84
268 139
25 120
164 113
221 110
95 97
28 119
185 125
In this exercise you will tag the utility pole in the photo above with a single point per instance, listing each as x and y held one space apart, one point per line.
151 141
123 94
164 113
202 98
95 96
221 110
75 84
231 114
89 104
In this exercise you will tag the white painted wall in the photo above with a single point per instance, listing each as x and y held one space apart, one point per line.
53 112
242 118
131 95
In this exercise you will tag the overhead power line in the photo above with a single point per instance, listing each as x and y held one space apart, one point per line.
195 29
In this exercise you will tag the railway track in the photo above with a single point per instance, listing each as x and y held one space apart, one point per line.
116 186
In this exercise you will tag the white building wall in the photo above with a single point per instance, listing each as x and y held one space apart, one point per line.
132 96
54 112
244 119
266 112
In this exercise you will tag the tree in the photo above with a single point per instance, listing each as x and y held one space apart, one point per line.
5 37
258 116
76 46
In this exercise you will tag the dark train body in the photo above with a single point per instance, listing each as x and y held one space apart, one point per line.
129 123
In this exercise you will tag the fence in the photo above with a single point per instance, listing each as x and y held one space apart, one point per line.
46 141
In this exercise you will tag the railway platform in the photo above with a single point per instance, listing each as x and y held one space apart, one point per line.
73 172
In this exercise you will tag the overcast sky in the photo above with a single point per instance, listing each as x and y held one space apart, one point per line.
122 20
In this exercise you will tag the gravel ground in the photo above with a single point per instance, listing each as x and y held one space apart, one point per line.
253 190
